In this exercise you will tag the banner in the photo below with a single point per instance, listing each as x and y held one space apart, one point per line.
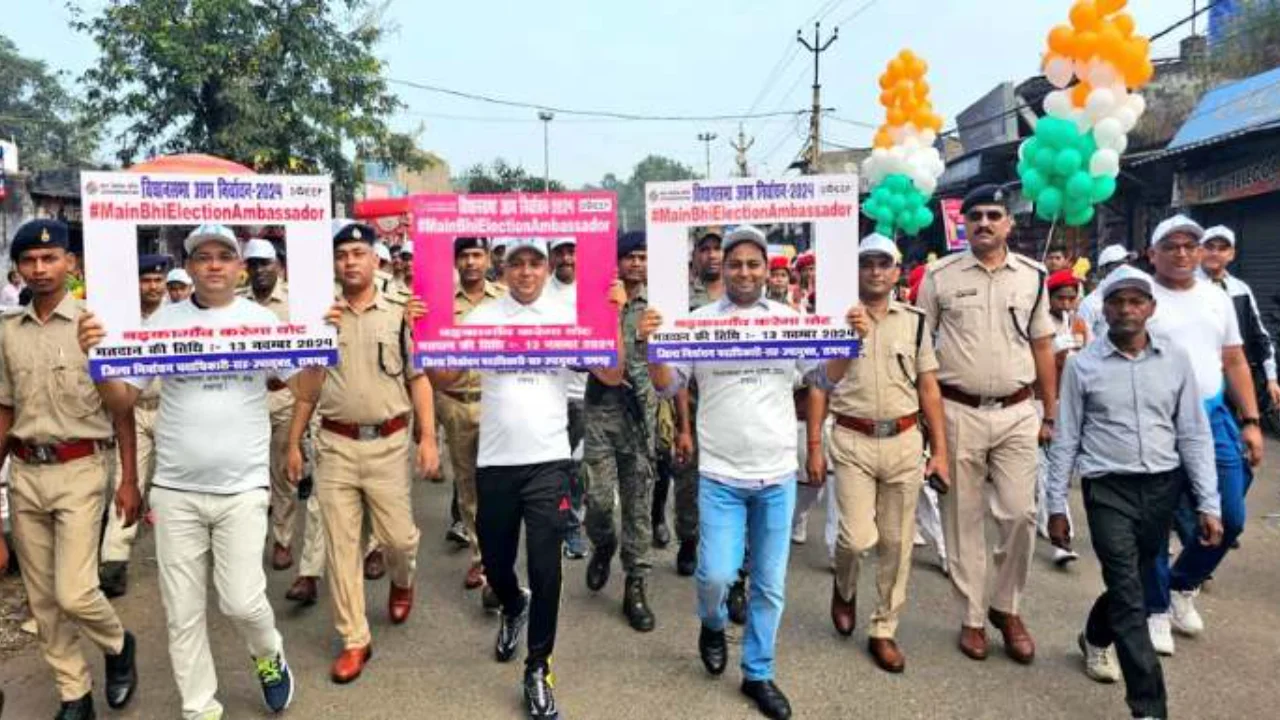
953 223
823 208
121 207
589 219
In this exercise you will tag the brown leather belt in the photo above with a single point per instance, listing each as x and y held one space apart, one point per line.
876 428
148 403
463 396
365 432
957 395
55 453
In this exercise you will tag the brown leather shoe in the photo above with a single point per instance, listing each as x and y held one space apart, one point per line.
304 591
844 613
399 604
886 654
973 642
475 576
375 566
350 664
281 557
1017 641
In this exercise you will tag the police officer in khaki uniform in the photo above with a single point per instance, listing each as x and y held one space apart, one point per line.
458 404
364 443
877 446
994 340
60 438
117 540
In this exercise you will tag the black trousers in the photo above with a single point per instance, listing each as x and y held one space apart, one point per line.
1129 519
538 496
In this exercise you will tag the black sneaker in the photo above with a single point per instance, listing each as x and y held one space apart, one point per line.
599 566
122 674
713 650
737 602
81 709
113 578
769 699
539 698
510 629
687 558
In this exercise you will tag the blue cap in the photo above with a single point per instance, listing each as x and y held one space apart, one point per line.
631 242
153 265
40 233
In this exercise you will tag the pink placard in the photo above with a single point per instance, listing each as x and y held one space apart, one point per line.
953 223
589 218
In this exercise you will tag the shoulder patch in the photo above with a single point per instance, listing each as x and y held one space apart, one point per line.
1033 264
945 262
911 308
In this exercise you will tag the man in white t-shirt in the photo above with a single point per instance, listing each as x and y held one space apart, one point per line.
523 469
210 490
1110 258
1198 316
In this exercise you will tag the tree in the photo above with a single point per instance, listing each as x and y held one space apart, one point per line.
279 85
45 121
653 168
1250 40
502 177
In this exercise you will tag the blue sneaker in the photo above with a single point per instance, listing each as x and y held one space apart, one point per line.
575 545
276 680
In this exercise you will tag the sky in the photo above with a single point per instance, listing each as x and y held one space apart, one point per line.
663 57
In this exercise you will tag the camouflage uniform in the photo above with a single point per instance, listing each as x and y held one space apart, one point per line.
618 451
686 475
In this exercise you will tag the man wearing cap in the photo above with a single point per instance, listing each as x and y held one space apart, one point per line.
210 505
178 285
987 309
59 429
523 470
1110 258
117 540
779 287
806 288
1219 251
563 288
878 448
1198 316
618 456
404 281
458 403
1131 423
747 463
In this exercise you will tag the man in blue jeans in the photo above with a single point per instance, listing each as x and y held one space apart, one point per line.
747 468
1198 316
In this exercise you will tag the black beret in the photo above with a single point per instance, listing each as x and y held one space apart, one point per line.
631 242
153 265
39 234
989 194
469 243
355 232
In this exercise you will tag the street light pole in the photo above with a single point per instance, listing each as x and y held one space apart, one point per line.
546 118
706 138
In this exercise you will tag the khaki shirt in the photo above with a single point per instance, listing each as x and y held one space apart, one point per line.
277 302
45 378
470 380
149 397
881 384
985 322
368 385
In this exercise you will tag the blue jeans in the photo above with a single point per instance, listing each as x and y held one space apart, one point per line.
1196 562
730 520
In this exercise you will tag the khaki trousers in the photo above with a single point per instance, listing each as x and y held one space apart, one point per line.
57 516
993 467
352 475
117 540
461 422
284 495
877 487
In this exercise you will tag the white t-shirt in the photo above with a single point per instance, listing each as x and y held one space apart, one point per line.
524 414
1202 322
213 433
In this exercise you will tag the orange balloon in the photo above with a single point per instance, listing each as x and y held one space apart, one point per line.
1112 45
1062 40
921 67
1086 45
1141 47
897 68
1124 23
886 81
936 123
1106 7
883 139
896 116
907 56
1146 71
1080 94
1084 15
922 89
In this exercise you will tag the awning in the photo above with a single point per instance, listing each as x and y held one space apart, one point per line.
380 207
192 164
1226 113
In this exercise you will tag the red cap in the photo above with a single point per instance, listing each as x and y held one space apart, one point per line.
805 259
914 279
779 262
1061 279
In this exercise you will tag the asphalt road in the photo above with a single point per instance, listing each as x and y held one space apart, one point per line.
439 664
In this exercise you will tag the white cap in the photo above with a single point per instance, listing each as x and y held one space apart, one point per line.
877 243
1219 232
557 242
178 275
1177 224
211 232
745 233
1112 254
406 248
499 242
259 249
384 255
515 245
1126 276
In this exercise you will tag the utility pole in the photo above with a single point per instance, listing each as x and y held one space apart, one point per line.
546 118
742 146
706 138
817 48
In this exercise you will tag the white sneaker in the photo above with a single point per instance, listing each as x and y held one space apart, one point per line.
918 540
944 565
1161 633
1100 664
1183 614
800 530
1063 557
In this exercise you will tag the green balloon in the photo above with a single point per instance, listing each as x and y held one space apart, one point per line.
1044 161
1087 144
1074 203
1079 185
885 229
1068 162
1033 183
915 199
897 183
1050 201
924 218
1030 147
1103 188
896 203
1081 217
1056 132
1046 216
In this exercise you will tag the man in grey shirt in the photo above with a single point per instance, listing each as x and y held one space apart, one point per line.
1131 423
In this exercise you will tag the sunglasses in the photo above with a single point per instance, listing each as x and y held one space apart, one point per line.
992 216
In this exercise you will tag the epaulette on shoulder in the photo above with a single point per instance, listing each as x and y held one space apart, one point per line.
944 262
911 308
395 297
1033 264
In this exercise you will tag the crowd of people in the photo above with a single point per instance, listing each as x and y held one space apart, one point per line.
985 386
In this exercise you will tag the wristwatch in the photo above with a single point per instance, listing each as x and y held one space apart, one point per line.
1245 422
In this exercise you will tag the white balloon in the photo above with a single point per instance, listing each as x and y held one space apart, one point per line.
929 137
1105 162
927 184
1127 117
896 134
1081 119
1058 104
1108 132
1102 74
1100 104
1137 103
1058 71
911 144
